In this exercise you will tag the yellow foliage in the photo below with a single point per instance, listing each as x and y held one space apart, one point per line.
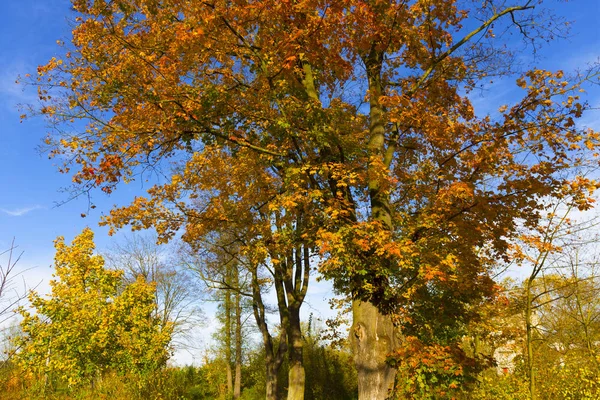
91 322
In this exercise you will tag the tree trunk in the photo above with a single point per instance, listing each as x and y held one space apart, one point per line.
271 392
529 340
296 373
273 357
228 310
237 386
373 337
229 379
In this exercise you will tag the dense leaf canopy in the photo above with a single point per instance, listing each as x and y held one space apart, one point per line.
343 126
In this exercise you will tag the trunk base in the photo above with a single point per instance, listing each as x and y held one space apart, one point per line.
296 383
373 337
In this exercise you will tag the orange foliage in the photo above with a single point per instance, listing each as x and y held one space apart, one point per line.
259 104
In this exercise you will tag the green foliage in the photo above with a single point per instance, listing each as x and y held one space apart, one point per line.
330 372
185 383
566 382
499 387
571 382
91 324
565 347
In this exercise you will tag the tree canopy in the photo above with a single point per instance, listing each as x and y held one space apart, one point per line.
345 126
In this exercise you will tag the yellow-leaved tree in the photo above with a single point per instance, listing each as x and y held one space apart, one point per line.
91 323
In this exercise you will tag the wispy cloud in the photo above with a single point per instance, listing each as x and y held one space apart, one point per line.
580 60
13 93
19 212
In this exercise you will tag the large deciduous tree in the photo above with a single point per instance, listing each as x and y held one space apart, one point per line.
351 116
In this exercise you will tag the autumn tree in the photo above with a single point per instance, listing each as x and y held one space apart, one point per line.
353 116
538 248
568 332
548 250
89 324
10 298
562 321
579 303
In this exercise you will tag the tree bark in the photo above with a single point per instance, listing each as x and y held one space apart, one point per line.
228 310
296 374
271 380
273 357
373 337
296 284
237 386
529 340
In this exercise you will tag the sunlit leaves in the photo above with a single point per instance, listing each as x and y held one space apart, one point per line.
355 115
91 322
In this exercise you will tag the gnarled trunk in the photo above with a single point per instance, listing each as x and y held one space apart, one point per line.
373 337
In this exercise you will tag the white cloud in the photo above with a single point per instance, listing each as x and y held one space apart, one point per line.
19 212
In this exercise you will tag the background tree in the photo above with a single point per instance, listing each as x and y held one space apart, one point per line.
543 242
9 296
274 258
220 268
541 249
232 329
88 325
329 369
567 326
177 296
409 197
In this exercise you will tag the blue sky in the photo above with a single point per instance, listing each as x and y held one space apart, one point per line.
29 183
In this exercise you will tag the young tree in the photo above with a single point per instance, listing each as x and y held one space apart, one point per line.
542 242
88 325
409 197
544 249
